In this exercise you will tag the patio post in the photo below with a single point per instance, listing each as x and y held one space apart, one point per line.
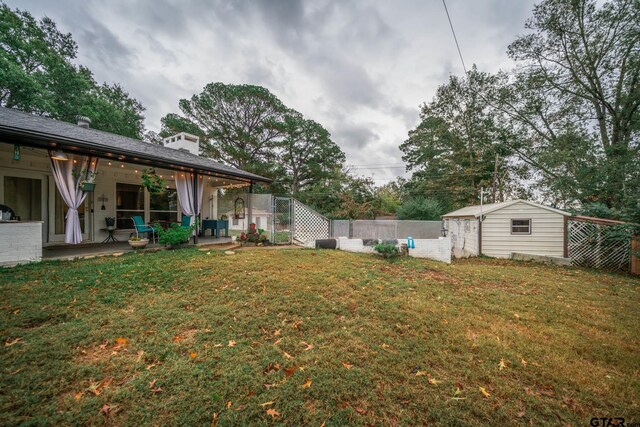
250 204
195 206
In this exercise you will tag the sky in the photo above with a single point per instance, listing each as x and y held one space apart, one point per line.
360 68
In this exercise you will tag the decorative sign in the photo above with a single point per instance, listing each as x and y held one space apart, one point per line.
238 208
16 152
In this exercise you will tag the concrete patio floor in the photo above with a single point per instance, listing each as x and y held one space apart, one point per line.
85 250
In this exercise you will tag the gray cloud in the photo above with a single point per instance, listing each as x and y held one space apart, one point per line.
361 68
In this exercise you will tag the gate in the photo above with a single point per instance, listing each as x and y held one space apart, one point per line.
598 244
282 224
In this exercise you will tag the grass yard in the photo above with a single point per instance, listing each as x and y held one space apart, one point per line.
305 337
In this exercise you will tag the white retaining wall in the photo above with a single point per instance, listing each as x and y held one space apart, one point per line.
20 242
438 249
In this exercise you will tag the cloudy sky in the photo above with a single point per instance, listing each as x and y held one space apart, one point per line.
360 68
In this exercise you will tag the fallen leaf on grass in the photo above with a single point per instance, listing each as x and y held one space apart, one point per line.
520 414
267 403
421 374
347 365
12 342
288 372
106 410
231 344
524 362
502 365
309 346
276 332
287 355
273 413
433 380
78 395
307 383
217 345
214 421
360 411
193 355
278 341
484 392
268 386
121 342
229 404
153 383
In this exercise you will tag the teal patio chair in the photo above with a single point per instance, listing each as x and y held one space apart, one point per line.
141 227
186 221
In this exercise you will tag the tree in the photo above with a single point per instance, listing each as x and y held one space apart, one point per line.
307 152
458 146
239 123
421 208
37 75
577 97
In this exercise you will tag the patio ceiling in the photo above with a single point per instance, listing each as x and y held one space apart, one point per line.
29 130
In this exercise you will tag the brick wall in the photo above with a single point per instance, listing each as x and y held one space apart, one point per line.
20 242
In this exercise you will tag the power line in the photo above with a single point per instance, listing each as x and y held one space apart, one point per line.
464 67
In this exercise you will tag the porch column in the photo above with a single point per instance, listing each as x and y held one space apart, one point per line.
195 206
250 204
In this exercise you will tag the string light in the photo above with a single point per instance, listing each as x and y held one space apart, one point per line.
109 163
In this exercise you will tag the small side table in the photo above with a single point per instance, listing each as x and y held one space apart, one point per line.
110 237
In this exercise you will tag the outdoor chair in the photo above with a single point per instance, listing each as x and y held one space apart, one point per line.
141 227
186 221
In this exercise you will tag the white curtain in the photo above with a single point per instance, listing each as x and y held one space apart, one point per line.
184 188
66 174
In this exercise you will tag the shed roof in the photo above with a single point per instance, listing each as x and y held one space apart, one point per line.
474 211
41 132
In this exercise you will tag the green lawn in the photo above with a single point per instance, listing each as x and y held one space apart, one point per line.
315 337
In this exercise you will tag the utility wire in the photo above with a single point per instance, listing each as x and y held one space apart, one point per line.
464 67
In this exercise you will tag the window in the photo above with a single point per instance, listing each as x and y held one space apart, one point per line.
257 222
520 226
164 206
129 202
24 197
235 220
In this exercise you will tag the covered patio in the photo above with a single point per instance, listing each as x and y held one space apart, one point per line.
45 164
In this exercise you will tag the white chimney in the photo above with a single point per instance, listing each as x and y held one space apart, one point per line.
83 122
183 141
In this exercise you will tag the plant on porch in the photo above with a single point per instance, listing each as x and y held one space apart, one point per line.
174 235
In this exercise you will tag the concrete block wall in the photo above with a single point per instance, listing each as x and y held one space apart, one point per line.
438 249
20 242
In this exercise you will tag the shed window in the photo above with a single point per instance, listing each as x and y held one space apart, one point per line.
520 226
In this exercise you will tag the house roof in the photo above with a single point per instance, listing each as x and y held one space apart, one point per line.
474 211
26 129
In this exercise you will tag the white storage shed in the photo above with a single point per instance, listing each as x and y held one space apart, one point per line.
500 229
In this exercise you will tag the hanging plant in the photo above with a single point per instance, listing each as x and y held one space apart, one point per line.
152 182
86 179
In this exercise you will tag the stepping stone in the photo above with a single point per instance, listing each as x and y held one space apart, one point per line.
229 253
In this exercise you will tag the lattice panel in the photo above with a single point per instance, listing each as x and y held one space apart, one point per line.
308 224
591 245
282 220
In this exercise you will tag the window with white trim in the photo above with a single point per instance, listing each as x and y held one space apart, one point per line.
521 226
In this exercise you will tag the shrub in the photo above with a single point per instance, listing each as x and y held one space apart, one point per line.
174 235
421 208
387 250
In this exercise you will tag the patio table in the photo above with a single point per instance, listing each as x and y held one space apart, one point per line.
215 225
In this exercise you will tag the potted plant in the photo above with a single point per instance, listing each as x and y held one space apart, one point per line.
137 242
152 181
86 180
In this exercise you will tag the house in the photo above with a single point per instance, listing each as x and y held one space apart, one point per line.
40 159
500 229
